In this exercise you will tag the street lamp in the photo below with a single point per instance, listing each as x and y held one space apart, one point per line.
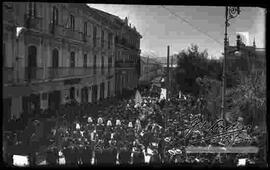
230 12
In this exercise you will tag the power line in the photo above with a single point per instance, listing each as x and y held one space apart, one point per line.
198 29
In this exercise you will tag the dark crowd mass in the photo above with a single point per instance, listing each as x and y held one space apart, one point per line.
152 131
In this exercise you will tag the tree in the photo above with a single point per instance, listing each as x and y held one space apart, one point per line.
248 98
192 64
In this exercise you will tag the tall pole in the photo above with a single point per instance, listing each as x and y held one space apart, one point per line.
147 66
168 70
224 67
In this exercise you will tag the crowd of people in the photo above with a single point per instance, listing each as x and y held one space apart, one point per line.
151 131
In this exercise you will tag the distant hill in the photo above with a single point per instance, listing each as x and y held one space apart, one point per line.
164 60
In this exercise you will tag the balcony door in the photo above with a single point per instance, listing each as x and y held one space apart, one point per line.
94 93
32 62
102 88
55 58
72 59
72 93
54 100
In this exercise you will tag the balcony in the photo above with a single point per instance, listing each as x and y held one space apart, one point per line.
8 76
56 29
75 35
32 22
8 15
41 74
121 64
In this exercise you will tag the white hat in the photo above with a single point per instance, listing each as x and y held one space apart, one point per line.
78 126
89 120
109 123
60 153
118 122
130 124
100 120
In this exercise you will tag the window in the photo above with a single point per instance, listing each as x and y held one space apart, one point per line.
102 88
55 15
44 96
109 64
95 36
95 64
102 38
109 89
32 9
102 64
85 29
4 54
110 41
85 60
72 22
72 93
72 59
55 58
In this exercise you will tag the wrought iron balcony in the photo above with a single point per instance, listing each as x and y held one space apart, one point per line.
121 64
56 29
73 34
32 22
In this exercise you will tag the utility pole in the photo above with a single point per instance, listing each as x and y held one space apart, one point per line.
230 12
147 67
224 67
168 71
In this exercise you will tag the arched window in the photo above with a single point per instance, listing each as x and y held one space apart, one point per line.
55 58
72 59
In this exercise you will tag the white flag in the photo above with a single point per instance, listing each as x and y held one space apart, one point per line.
244 36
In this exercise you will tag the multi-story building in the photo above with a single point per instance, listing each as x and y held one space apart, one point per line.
127 57
150 69
64 51
247 60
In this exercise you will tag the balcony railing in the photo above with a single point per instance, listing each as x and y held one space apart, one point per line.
125 65
8 76
56 29
32 22
73 34
8 15
49 73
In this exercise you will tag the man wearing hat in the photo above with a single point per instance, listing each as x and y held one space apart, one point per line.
100 127
130 133
138 156
108 131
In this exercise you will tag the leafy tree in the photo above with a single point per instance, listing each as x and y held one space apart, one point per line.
192 64
248 98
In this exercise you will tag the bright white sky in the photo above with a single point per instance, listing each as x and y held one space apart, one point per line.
160 28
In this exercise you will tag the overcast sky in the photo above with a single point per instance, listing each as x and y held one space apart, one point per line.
160 28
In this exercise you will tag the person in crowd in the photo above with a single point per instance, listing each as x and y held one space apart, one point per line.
100 127
125 154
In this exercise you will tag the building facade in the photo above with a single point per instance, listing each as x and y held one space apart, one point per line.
127 57
249 58
64 51
150 69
